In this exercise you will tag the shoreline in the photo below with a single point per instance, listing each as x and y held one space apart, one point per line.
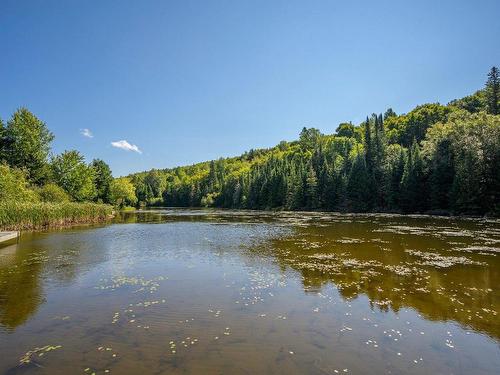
38 216
61 224
443 215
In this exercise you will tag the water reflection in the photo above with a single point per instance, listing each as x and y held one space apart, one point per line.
445 268
259 292
438 277
42 260
20 290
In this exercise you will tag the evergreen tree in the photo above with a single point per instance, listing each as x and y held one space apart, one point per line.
380 169
441 170
237 195
3 141
212 182
370 162
368 148
413 196
358 190
397 168
493 91
295 189
311 188
309 138
389 113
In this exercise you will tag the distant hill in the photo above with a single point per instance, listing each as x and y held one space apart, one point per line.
434 159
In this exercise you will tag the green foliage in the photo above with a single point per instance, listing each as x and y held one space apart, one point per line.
358 188
311 188
71 173
309 138
14 185
208 200
345 129
26 143
434 158
102 180
413 194
3 142
473 103
52 193
122 192
493 91
24 215
405 129
26 178
464 155
396 155
155 183
389 113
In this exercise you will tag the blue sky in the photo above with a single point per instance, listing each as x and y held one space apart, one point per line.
187 81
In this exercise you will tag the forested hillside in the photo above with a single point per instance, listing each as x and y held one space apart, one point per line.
436 158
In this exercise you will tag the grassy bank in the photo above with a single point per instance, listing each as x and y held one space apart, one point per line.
19 216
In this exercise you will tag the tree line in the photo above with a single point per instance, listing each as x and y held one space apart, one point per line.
435 159
29 171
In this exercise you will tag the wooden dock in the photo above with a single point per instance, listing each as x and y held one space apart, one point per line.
6 236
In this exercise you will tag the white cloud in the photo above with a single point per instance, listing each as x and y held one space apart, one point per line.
86 133
124 145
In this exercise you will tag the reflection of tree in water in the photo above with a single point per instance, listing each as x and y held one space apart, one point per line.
20 290
60 258
368 254
379 265
156 216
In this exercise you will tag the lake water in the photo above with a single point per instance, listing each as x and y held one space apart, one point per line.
237 292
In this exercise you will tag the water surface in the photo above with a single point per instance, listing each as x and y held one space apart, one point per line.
237 292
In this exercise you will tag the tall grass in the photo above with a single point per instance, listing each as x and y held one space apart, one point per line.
28 215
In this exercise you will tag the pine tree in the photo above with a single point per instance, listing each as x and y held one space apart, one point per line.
380 173
389 113
441 176
358 190
396 175
3 142
368 147
413 192
295 191
236 198
377 139
493 91
212 178
370 162
311 188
